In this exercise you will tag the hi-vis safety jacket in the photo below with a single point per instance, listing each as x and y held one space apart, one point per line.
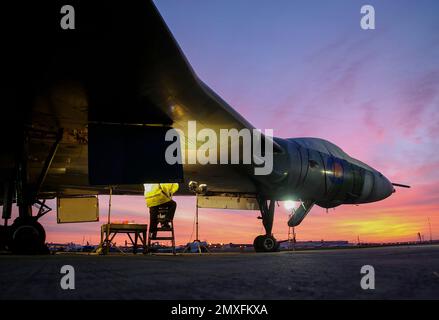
157 194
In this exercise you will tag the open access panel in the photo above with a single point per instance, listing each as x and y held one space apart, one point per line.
77 209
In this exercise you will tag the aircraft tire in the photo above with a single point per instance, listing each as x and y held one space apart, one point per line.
27 236
265 243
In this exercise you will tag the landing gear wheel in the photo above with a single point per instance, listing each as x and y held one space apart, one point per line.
27 236
265 243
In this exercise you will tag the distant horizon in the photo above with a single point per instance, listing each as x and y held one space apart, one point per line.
129 244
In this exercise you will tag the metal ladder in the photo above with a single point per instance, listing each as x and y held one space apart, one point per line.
169 230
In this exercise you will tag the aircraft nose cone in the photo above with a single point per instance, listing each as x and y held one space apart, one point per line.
389 188
383 188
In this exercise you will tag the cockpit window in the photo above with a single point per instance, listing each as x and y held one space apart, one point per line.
327 147
322 146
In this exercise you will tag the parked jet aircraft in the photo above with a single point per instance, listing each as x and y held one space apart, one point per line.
87 108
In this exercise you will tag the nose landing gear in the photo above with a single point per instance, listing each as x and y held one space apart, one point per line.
266 243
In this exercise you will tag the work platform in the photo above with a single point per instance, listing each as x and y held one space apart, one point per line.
138 231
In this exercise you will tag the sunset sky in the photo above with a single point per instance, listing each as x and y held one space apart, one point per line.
306 68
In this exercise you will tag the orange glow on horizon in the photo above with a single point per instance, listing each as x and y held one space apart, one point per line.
384 221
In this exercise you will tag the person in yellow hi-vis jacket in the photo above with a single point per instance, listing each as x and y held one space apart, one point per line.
159 199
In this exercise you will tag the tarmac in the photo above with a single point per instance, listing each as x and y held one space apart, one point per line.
409 272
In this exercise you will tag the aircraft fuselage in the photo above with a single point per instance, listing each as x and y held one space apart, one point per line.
316 170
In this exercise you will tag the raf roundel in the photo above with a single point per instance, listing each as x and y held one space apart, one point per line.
335 167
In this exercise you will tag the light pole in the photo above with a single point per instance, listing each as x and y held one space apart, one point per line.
198 190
